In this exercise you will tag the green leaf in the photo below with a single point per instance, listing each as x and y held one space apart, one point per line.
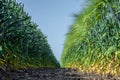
1 48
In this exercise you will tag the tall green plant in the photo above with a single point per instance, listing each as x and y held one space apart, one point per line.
92 43
20 37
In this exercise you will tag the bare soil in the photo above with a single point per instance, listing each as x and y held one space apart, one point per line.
51 74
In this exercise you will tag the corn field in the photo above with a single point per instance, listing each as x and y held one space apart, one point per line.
93 41
22 44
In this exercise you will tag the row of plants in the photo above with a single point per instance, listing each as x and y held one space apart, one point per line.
22 44
93 41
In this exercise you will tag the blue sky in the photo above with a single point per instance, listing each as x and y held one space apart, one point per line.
54 18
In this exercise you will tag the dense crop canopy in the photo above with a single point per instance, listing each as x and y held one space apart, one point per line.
20 39
93 41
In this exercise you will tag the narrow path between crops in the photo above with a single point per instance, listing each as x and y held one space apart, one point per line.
50 74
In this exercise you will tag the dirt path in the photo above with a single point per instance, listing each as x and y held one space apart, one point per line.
50 74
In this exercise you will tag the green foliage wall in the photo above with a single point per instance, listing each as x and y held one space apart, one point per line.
20 39
93 41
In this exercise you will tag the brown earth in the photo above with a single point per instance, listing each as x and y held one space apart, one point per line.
51 74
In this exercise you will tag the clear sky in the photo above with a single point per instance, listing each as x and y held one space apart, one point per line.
54 18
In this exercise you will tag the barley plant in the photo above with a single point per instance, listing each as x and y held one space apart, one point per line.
22 44
93 41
